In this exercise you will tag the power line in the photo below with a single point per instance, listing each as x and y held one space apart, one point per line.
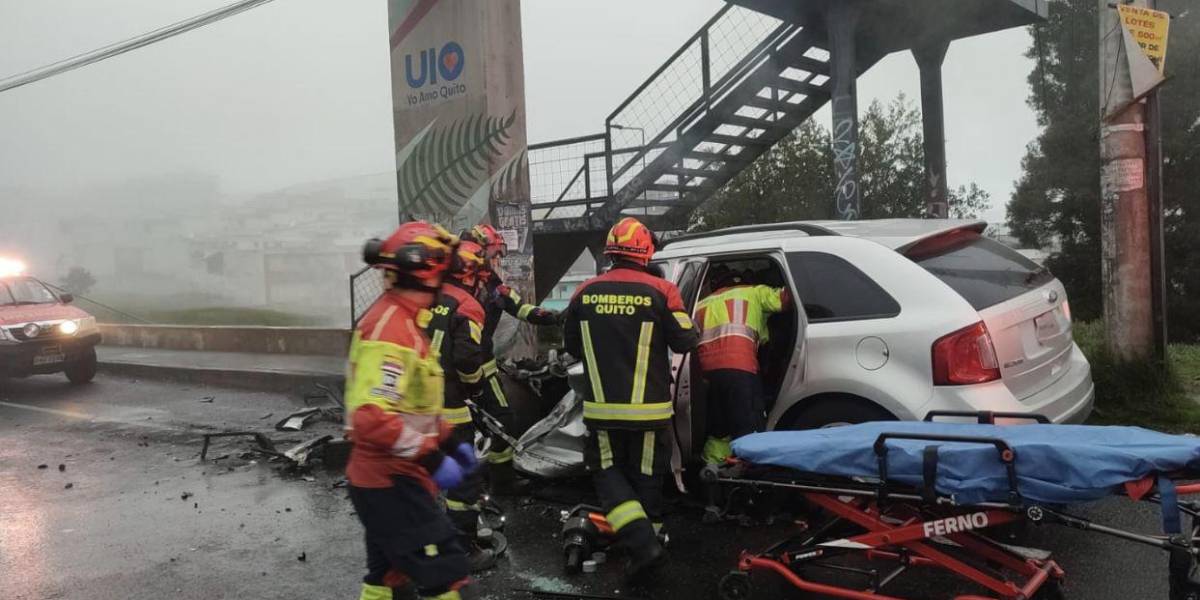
127 45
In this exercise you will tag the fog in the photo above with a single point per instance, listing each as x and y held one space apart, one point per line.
242 165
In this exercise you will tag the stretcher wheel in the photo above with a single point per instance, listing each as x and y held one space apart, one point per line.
1051 590
735 586
574 559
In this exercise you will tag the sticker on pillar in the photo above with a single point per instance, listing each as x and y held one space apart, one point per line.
433 74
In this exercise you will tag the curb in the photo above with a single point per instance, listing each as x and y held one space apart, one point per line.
245 379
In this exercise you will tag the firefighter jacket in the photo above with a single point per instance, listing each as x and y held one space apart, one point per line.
622 323
456 338
394 396
498 298
733 324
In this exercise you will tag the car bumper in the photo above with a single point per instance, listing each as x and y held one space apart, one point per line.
1070 399
18 359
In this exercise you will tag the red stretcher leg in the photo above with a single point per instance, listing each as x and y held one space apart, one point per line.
765 564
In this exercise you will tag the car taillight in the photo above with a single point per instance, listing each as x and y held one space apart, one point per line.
965 357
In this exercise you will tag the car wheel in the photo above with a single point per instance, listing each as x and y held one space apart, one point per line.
834 412
83 369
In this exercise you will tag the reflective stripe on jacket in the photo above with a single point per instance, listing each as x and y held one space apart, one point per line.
622 324
456 334
733 324
394 396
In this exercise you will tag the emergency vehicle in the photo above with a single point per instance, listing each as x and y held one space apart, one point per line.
40 331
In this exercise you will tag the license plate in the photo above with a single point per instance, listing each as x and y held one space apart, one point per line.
1046 325
48 359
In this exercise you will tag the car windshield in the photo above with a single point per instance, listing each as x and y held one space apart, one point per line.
25 290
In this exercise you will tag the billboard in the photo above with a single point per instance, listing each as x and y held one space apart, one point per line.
458 108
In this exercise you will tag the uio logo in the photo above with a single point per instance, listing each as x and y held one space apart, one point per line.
447 62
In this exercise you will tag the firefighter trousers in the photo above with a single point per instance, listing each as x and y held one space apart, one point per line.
627 470
407 535
493 401
735 408
462 502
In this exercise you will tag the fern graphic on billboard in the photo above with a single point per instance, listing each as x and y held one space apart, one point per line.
446 166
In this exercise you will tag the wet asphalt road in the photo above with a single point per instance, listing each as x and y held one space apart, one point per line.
124 531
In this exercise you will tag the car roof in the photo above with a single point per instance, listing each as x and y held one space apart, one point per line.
896 234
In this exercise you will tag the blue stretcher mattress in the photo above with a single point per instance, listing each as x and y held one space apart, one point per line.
1055 464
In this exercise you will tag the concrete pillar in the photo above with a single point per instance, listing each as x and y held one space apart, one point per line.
556 253
937 193
841 23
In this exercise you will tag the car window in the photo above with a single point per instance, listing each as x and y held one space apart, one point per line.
27 291
832 289
983 271
689 281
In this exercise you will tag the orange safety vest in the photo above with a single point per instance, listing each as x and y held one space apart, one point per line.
733 324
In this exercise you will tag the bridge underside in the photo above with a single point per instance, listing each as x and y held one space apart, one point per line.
754 72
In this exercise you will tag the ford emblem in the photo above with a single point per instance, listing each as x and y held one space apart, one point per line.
1051 296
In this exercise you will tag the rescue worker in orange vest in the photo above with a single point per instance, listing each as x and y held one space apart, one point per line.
498 299
456 338
403 450
622 324
733 324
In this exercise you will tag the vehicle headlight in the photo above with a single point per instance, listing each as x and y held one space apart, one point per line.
68 327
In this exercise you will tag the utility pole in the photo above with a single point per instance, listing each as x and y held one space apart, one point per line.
1154 190
1124 203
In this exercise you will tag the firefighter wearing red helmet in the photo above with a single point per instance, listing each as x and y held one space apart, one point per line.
403 451
497 299
456 334
622 324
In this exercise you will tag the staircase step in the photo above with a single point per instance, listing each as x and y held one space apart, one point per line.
800 87
715 157
811 65
750 122
770 104
692 172
678 189
735 140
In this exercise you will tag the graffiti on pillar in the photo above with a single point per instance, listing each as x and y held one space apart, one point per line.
845 160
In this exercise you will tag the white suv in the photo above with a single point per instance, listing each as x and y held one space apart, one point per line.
901 317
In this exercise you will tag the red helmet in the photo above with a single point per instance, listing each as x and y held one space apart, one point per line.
485 235
467 262
418 253
632 240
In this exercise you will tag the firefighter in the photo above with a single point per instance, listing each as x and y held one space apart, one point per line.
622 323
498 299
733 325
403 450
456 334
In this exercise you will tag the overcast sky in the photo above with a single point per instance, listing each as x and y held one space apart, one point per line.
298 90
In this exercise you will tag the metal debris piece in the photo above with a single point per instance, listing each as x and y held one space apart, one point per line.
207 399
297 420
299 454
264 443
43 466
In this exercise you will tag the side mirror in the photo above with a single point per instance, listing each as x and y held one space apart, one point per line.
66 298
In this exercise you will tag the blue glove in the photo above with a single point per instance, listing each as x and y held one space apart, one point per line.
449 474
464 453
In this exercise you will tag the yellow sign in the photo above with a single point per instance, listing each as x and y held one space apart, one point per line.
1149 29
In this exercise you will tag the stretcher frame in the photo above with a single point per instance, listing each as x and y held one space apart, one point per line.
918 528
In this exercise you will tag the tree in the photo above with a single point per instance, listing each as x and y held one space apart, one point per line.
78 281
795 179
1056 201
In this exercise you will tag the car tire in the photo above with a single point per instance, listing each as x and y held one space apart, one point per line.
833 412
83 369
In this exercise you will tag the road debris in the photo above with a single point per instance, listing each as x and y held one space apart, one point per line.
266 416
264 443
300 453
207 399
297 420
69 486
184 496
303 557
62 467
43 466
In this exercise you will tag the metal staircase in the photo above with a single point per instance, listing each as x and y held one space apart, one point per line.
743 82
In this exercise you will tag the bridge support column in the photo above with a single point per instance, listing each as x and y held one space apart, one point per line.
842 25
929 59
556 252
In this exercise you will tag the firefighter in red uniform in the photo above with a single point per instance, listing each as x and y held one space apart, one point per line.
733 325
403 451
622 323
498 299
456 334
